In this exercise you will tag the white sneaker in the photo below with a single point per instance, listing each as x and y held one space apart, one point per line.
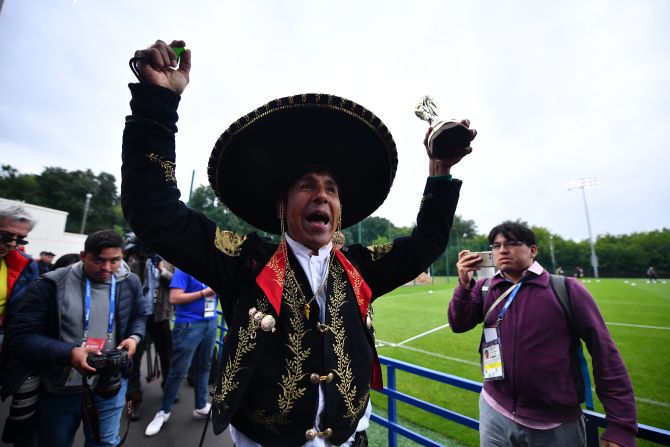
155 425
202 413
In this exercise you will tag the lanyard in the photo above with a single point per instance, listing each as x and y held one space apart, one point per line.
508 303
87 308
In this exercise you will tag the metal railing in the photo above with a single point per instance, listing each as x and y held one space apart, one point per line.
593 420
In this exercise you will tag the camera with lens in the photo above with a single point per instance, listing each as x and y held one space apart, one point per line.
108 366
23 411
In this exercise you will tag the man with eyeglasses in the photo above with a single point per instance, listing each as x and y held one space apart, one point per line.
17 270
532 386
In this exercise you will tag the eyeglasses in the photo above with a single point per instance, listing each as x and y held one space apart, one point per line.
6 238
496 246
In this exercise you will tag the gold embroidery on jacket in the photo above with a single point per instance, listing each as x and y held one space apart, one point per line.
231 370
343 370
228 242
293 373
425 198
168 167
379 251
271 423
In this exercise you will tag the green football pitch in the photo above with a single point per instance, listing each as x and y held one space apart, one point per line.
411 325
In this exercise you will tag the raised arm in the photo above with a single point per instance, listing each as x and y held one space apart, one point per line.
407 257
149 193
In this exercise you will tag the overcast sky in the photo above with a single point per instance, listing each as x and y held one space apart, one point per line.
557 90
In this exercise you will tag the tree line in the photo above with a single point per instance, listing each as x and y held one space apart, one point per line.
65 190
618 255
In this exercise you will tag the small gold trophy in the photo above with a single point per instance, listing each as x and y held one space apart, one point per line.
446 136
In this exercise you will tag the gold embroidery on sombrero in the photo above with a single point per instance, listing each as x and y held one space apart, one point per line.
228 242
379 251
233 366
168 167
343 370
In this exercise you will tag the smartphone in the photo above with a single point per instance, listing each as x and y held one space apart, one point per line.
487 259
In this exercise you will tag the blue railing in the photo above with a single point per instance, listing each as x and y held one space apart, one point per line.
593 420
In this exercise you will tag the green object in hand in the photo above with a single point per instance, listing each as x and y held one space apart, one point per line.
178 51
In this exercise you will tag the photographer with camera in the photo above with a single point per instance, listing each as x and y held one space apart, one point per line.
77 326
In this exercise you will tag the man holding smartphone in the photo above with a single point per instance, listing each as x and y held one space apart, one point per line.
532 390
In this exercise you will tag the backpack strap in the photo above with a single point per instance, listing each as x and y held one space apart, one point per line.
580 371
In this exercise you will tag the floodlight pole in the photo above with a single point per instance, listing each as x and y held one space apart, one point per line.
86 207
551 250
582 184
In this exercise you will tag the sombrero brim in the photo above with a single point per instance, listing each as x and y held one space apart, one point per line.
253 160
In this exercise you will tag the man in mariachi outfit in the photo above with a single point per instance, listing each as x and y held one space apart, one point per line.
299 357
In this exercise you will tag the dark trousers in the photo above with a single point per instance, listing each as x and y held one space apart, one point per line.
158 332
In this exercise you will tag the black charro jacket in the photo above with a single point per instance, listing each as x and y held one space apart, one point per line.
264 388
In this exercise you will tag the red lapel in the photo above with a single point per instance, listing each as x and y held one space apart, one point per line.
361 289
271 278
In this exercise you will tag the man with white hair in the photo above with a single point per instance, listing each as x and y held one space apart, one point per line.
17 270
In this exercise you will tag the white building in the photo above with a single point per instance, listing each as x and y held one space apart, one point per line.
49 232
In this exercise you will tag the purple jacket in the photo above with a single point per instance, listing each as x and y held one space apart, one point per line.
536 339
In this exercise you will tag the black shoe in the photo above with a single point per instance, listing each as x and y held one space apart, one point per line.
136 414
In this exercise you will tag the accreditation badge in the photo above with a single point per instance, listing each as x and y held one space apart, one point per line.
210 306
492 363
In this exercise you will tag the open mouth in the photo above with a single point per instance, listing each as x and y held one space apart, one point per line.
318 218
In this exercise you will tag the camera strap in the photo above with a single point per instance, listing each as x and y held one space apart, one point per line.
87 308
90 410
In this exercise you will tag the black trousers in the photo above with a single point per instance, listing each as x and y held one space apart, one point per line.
159 333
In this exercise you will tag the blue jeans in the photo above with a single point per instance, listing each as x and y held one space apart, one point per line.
188 339
496 430
59 416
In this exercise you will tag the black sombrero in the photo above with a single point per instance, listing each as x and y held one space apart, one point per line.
253 160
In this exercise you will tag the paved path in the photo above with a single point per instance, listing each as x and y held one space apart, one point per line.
180 431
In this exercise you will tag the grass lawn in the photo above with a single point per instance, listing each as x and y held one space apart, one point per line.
637 314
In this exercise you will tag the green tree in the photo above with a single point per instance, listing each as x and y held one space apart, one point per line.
203 199
17 186
65 190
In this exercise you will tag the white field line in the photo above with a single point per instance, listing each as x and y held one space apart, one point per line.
663 328
424 333
381 343
651 402
400 295
423 351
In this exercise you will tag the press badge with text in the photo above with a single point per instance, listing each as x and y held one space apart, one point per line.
210 306
492 364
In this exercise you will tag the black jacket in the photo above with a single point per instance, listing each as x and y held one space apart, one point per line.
33 339
265 387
